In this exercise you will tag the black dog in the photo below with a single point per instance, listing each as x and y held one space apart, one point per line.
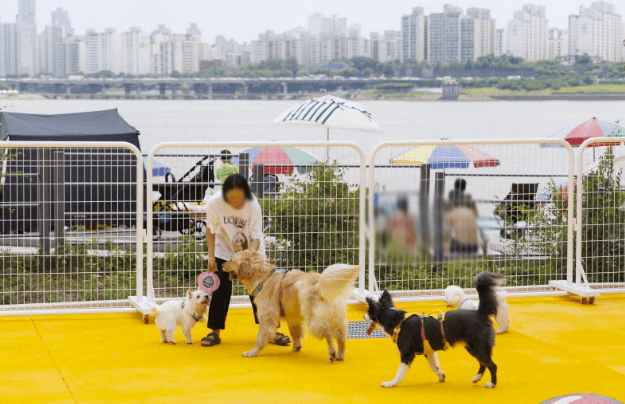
420 335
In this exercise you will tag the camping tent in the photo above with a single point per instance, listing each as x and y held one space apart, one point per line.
98 185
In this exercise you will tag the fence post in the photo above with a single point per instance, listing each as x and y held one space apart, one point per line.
44 197
244 165
424 209
258 185
439 188
59 207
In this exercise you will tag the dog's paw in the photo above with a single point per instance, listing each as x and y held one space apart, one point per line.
296 347
250 354
173 342
476 379
388 384
490 385
441 377
189 342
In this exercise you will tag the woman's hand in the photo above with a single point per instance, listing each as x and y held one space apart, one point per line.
212 265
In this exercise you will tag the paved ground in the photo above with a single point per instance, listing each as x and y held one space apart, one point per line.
556 346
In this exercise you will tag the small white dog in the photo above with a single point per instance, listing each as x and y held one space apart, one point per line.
455 297
185 314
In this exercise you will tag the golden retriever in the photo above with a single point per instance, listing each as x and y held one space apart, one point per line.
319 300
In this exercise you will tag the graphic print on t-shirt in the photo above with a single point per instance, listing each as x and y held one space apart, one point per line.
239 241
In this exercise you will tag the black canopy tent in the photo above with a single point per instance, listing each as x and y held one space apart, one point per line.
99 184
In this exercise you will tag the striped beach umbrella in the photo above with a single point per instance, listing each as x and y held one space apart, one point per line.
443 156
280 160
331 112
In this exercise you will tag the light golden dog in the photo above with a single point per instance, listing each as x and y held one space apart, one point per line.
319 300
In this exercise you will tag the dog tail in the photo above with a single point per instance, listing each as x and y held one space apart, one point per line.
337 281
485 284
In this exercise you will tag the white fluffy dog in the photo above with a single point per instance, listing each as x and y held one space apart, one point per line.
185 314
455 297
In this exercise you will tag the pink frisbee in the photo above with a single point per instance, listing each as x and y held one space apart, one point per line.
208 281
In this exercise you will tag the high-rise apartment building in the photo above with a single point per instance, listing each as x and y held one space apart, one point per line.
596 31
414 36
49 41
527 33
483 29
355 41
27 41
60 18
387 47
103 51
135 52
443 32
8 49
558 43
501 42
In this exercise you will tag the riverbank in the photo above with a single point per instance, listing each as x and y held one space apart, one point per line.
376 95
21 96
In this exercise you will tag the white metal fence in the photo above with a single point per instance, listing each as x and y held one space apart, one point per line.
71 226
426 235
600 213
313 203
311 195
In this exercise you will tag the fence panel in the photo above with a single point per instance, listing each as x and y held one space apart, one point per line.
514 216
600 203
310 193
71 234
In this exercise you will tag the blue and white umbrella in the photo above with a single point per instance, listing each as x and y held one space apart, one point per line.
331 112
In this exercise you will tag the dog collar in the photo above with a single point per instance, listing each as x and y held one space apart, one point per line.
259 287
192 315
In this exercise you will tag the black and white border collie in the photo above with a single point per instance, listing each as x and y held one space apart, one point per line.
473 328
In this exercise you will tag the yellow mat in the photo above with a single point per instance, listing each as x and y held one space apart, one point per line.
556 346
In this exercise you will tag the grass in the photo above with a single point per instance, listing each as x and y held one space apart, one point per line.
591 89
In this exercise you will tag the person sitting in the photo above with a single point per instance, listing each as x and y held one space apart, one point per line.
461 229
458 196
401 228
227 167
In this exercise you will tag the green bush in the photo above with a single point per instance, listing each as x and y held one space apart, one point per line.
314 220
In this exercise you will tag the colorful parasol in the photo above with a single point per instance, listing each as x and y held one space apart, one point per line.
443 156
593 127
281 160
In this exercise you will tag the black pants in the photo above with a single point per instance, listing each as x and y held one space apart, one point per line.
220 301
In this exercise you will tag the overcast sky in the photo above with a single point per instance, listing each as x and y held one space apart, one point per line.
243 20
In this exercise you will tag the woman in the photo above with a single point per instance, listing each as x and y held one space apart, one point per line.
234 222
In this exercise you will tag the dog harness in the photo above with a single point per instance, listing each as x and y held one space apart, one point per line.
192 315
427 348
259 287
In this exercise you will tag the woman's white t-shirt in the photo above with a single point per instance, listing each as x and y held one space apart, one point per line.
242 225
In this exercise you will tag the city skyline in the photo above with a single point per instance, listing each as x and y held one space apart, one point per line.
219 19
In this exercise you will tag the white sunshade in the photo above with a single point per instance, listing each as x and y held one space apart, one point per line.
331 112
